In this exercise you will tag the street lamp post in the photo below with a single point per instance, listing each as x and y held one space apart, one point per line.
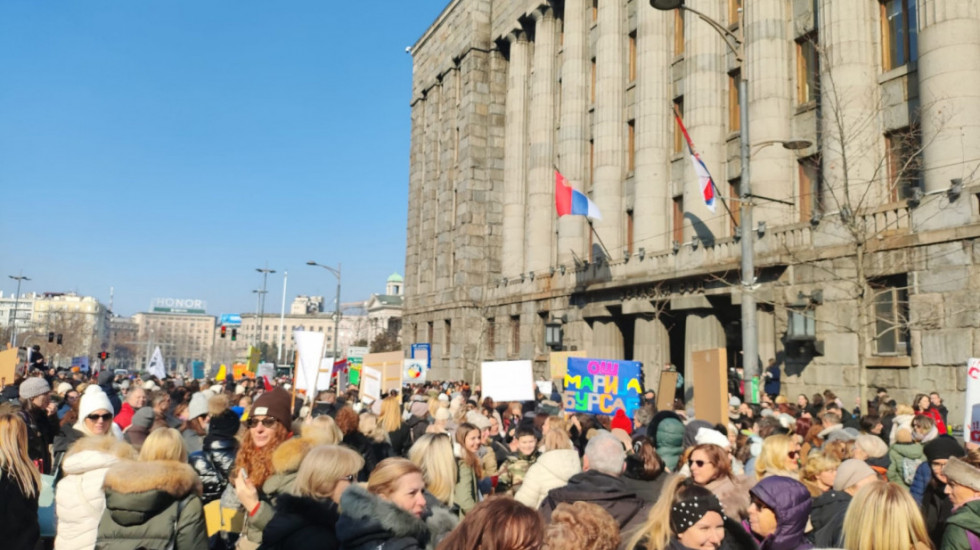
13 322
259 293
265 275
336 324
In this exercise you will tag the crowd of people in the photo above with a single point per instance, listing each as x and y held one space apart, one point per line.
137 462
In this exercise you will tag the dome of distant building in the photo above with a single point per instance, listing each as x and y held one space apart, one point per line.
395 278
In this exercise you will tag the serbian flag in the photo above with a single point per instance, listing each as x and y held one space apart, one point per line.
568 201
704 178
338 366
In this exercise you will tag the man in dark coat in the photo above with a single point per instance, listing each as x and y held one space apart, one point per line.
105 382
829 508
772 385
600 483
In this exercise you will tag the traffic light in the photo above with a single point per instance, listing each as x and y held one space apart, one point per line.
234 334
223 331
59 339
103 355
50 337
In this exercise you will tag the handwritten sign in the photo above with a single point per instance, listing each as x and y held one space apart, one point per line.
600 386
971 424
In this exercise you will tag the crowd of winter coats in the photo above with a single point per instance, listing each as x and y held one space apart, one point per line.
193 465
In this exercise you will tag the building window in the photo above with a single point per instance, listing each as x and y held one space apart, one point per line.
807 69
899 33
629 232
734 107
430 334
491 336
678 32
891 314
630 146
904 163
515 334
447 336
734 7
811 188
678 219
595 10
632 53
591 162
678 135
733 204
592 89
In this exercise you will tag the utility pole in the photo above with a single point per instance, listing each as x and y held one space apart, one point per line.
13 323
265 275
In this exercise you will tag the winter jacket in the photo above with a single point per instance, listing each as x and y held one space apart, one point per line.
733 493
41 431
965 518
790 501
401 439
125 416
214 465
553 469
827 518
369 523
467 493
440 518
666 431
609 492
372 451
18 515
936 509
80 499
148 504
772 385
285 463
905 460
417 426
923 475
647 489
933 413
302 522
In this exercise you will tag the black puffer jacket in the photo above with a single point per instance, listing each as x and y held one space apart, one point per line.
302 522
370 523
827 518
214 464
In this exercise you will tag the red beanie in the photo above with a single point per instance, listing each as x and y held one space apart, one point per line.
621 421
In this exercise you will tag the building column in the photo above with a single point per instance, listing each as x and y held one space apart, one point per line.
607 339
430 184
769 342
573 136
515 155
654 121
416 183
540 220
706 116
610 126
849 94
702 331
949 92
771 99
651 346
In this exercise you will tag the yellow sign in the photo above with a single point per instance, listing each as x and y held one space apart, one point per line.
253 358
222 373
559 362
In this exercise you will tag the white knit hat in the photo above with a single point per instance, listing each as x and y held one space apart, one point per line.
711 436
94 399
198 406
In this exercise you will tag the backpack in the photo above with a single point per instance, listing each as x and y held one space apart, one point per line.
908 468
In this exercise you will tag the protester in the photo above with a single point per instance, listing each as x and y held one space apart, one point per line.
513 471
779 456
215 462
922 405
433 454
308 519
139 427
388 513
819 473
666 430
581 526
905 456
40 416
711 468
498 523
963 487
196 425
883 516
469 468
20 486
374 446
399 433
645 472
135 400
779 512
559 462
929 487
79 497
95 414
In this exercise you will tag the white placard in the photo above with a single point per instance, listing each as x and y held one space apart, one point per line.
971 424
507 380
309 346
545 387
370 382
414 371
156 367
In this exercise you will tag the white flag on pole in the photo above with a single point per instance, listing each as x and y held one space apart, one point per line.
309 346
156 367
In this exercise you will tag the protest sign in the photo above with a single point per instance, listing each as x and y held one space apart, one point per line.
507 380
971 424
309 350
558 360
81 362
413 371
197 370
710 385
370 383
545 387
8 366
600 386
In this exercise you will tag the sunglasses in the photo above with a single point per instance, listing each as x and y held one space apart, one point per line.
793 454
268 422
96 417
699 463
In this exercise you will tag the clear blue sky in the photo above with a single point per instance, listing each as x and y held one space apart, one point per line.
168 148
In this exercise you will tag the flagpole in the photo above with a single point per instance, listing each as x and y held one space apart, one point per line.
598 238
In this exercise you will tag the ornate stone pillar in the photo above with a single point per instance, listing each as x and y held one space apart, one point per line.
702 330
540 213
610 125
515 155
651 345
607 339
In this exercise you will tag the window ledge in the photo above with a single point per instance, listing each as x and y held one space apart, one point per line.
806 107
881 361
898 72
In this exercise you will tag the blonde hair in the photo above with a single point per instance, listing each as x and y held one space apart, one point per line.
391 414
817 463
433 406
433 454
14 461
557 422
884 515
581 526
384 478
772 457
323 467
655 532
323 429
164 444
557 439
368 425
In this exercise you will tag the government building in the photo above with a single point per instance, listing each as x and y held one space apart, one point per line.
861 181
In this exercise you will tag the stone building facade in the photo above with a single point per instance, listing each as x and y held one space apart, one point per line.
868 255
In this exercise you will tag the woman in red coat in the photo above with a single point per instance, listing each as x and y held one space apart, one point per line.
923 406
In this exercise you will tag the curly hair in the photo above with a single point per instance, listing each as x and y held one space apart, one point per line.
347 420
581 526
257 461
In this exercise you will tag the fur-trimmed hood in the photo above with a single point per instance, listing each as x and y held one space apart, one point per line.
138 491
290 454
366 520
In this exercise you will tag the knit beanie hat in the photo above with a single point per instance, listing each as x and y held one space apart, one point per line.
144 417
198 406
94 399
943 447
713 437
622 422
63 388
274 403
961 473
850 472
33 387
872 445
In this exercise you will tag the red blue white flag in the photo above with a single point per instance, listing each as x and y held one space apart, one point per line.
569 202
704 178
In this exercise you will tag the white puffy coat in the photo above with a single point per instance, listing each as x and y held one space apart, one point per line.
80 499
550 471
